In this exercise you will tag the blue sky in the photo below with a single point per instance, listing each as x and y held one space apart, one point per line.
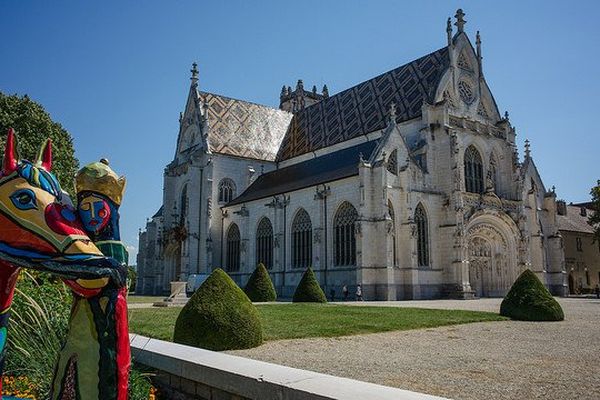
116 74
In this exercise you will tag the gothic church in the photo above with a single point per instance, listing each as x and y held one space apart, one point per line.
409 184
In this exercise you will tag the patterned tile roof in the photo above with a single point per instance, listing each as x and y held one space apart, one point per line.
574 221
244 129
326 168
364 107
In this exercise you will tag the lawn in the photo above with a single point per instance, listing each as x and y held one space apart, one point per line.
291 321
133 299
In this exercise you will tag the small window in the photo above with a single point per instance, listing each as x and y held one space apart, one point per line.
392 163
233 248
579 244
226 190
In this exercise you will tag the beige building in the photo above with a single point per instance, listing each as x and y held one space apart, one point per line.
582 253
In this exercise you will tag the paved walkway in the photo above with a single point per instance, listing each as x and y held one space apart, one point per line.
492 360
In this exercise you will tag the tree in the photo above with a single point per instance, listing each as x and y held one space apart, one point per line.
308 290
529 300
259 286
219 316
594 218
33 126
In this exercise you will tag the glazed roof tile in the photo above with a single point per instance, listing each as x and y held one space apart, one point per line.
364 108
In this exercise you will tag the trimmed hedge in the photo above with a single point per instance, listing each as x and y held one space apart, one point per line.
529 300
219 316
308 290
259 286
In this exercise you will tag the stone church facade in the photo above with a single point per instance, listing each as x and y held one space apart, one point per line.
409 184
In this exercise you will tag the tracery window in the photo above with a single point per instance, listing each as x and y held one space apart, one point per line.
422 236
183 204
392 163
233 248
344 240
226 190
301 240
466 92
264 243
473 171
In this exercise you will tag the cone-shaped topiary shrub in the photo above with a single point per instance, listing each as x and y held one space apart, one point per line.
219 316
308 290
259 286
529 300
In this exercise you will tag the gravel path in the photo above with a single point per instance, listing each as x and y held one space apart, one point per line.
492 360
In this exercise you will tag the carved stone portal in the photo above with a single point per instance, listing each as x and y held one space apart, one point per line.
491 269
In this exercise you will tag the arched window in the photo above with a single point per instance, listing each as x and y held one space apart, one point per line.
473 171
183 205
422 236
264 243
393 233
344 240
226 190
301 240
392 163
233 248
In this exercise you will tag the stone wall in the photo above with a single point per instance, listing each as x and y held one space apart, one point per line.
185 372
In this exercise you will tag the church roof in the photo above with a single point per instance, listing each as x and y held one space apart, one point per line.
364 108
326 168
574 221
159 213
244 129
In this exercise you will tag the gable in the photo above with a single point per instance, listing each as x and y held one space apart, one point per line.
243 129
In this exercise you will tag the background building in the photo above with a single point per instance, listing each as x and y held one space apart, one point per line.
409 184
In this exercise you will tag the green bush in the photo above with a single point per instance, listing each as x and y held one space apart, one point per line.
308 290
529 300
219 316
259 286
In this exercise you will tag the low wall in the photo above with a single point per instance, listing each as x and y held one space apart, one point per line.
189 373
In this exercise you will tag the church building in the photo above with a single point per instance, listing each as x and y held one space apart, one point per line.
409 184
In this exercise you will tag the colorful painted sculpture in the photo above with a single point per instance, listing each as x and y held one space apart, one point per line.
40 229
94 362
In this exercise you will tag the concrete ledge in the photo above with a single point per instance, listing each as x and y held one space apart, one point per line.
202 374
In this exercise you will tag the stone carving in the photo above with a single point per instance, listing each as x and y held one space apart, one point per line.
465 90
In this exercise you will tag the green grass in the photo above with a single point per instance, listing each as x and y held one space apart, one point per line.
291 321
133 299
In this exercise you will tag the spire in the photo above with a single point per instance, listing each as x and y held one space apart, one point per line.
460 20
478 44
527 149
449 31
194 72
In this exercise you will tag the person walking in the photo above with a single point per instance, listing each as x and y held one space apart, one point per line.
345 293
359 296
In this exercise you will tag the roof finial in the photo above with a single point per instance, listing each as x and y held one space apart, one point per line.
300 85
283 91
527 148
449 31
314 89
325 91
194 72
506 115
478 45
460 20
392 113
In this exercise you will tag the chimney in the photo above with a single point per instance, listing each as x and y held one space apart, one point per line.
561 207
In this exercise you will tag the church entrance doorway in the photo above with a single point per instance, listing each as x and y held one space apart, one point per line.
491 264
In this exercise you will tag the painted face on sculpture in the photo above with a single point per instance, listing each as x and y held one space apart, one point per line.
94 212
